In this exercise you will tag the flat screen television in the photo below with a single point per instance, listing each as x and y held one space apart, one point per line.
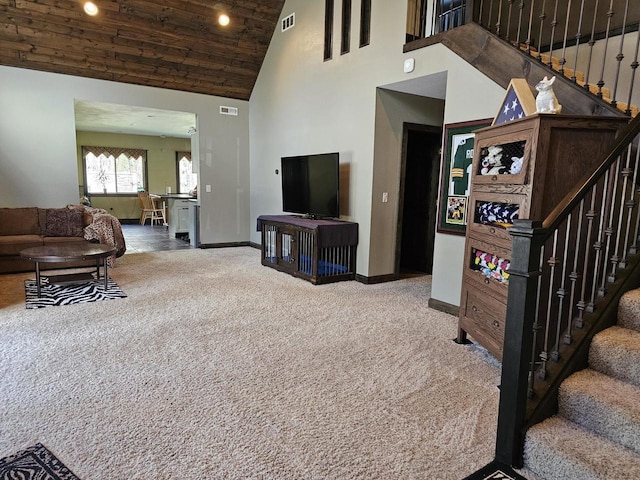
311 184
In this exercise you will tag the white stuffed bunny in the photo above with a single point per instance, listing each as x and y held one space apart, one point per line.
516 165
546 101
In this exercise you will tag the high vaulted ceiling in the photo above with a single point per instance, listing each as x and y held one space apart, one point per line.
175 44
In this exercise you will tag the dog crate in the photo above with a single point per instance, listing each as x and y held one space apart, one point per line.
317 250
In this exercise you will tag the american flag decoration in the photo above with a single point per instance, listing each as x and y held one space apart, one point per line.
518 102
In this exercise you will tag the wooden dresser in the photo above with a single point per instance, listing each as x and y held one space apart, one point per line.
543 157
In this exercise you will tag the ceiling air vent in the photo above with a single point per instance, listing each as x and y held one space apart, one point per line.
288 22
228 111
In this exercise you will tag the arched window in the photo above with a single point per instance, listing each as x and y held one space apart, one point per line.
114 170
187 180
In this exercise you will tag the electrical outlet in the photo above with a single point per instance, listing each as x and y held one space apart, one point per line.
385 197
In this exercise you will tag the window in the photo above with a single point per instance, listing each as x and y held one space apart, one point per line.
187 180
345 42
328 29
365 23
450 14
428 17
416 20
114 170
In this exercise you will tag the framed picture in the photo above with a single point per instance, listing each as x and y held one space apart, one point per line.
457 157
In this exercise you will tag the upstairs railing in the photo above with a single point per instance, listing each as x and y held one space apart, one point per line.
594 43
567 275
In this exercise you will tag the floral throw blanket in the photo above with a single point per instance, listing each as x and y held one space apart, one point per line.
105 228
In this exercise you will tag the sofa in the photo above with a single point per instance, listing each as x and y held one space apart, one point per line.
26 227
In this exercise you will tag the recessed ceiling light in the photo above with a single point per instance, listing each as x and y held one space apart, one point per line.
223 19
90 8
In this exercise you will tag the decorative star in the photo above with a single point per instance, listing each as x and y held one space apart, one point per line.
506 109
514 104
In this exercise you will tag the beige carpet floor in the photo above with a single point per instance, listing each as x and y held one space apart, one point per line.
215 367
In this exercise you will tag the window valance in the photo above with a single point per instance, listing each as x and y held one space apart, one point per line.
114 151
186 155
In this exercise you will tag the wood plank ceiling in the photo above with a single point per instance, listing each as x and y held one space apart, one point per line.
175 44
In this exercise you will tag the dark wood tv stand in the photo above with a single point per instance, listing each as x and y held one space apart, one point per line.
316 250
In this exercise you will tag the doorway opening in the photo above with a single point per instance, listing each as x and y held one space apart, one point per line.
417 208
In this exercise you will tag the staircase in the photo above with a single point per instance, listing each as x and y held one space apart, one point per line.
502 61
596 433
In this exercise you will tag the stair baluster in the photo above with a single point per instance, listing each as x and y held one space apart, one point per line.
633 248
563 59
554 24
601 82
578 36
634 67
591 43
620 56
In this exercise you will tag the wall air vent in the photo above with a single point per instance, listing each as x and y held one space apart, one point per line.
228 111
288 22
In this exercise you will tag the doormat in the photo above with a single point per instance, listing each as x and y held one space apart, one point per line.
34 463
57 295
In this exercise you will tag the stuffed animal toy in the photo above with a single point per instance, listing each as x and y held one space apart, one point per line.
546 101
492 162
516 165
492 266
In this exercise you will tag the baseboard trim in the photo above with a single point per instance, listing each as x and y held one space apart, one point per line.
255 245
444 307
377 279
225 245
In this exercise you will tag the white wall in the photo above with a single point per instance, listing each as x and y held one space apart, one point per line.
38 145
301 105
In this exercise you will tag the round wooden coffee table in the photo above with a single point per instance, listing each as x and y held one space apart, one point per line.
70 252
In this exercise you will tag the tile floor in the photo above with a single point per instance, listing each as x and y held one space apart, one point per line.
150 238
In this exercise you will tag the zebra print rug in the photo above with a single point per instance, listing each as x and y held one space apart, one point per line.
56 295
34 463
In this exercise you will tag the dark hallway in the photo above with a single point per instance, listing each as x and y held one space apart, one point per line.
419 186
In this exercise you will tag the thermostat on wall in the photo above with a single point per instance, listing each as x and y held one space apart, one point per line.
409 65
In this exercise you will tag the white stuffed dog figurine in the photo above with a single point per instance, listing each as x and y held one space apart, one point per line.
492 162
546 101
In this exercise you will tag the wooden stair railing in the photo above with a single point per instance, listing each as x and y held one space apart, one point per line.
567 275
593 44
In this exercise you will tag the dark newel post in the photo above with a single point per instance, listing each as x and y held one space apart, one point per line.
518 339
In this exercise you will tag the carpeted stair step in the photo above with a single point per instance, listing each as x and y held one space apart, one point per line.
604 405
616 352
629 310
559 449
